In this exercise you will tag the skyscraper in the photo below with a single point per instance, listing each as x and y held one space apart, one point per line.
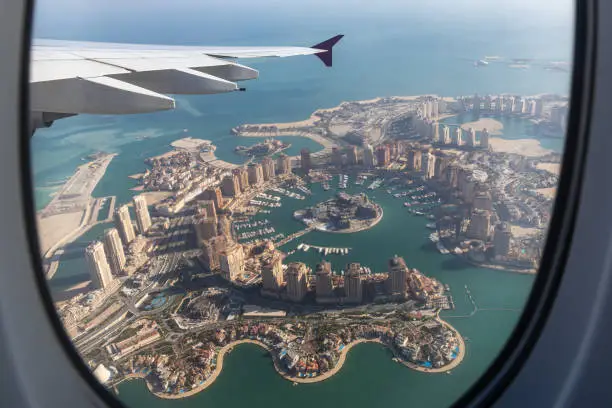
480 224
383 155
124 224
143 219
353 285
458 141
398 273
214 194
232 261
501 240
255 174
244 179
269 168
114 250
283 164
428 165
231 186
482 201
306 163
537 107
471 137
297 285
336 156
447 135
484 139
272 272
99 269
476 104
524 105
205 228
352 155
325 284
436 132
210 252
368 156
207 209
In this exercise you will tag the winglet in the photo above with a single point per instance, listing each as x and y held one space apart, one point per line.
326 46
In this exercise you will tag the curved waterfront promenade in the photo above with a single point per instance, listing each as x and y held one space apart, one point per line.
226 349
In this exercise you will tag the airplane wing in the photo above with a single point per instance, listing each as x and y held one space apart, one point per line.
69 78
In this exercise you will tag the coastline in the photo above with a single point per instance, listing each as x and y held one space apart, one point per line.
308 380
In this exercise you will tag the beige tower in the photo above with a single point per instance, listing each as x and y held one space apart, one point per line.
114 250
480 224
124 224
231 186
436 132
272 272
484 139
283 164
398 273
101 276
353 285
269 168
446 135
297 284
232 261
143 219
458 137
325 284
255 174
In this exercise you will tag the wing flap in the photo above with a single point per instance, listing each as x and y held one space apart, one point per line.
179 81
103 95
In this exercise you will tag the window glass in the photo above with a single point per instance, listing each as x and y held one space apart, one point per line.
365 222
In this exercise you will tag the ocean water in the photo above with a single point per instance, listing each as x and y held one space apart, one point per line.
390 48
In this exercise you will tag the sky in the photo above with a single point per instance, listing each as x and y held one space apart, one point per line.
87 19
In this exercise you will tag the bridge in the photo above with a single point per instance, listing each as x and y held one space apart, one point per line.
477 309
293 236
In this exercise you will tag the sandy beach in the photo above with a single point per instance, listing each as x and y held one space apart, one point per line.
494 127
524 147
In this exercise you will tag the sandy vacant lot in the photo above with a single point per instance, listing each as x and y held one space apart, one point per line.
553 168
524 147
523 231
54 228
548 192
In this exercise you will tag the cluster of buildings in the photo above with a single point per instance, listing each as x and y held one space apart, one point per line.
503 104
140 334
457 136
254 175
107 259
352 286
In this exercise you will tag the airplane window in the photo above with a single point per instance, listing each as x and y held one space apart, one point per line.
366 220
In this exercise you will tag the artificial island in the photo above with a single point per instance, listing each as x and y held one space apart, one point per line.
204 268
343 213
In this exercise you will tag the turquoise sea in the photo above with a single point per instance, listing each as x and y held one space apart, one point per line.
389 48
